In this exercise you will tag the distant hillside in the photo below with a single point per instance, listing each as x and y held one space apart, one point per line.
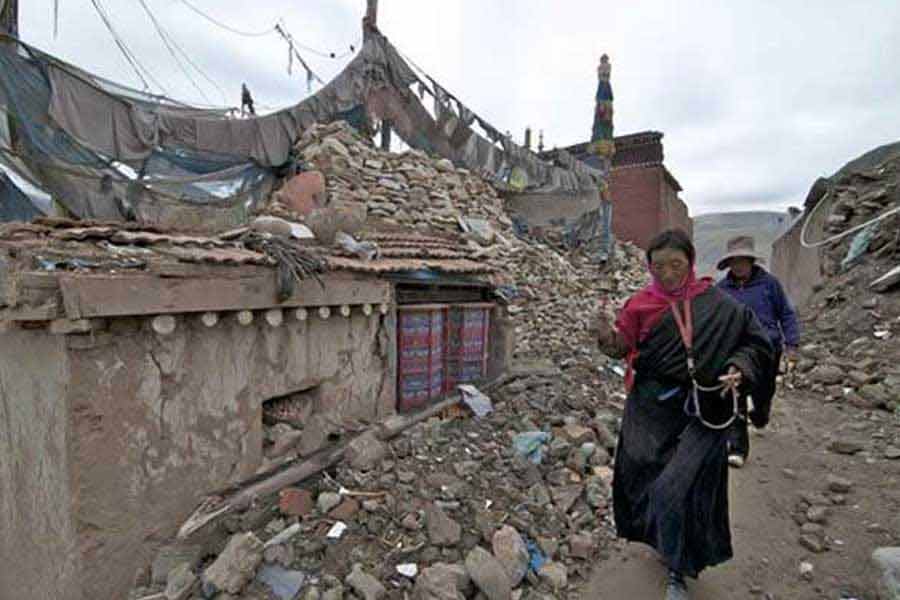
712 231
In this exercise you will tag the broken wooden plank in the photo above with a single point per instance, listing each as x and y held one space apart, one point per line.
75 326
48 312
87 296
887 281
185 270
32 288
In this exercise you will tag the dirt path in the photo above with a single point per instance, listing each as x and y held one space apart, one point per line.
790 458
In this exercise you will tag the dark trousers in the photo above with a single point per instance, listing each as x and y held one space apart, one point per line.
739 433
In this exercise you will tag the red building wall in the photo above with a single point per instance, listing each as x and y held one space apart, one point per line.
646 203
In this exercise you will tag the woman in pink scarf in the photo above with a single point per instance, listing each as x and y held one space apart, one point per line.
692 352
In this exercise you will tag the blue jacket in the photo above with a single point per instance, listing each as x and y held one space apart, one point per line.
763 293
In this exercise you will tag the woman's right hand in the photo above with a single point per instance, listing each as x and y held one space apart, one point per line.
608 339
601 330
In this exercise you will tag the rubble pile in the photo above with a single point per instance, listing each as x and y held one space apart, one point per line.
552 292
851 332
512 505
515 504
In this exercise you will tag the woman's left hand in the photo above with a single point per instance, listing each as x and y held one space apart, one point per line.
731 381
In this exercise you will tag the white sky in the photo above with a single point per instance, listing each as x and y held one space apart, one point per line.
756 98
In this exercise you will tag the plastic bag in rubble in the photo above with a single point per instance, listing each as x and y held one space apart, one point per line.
536 558
530 445
859 245
361 250
284 584
475 400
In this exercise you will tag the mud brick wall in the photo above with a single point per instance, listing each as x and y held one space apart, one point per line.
645 203
109 440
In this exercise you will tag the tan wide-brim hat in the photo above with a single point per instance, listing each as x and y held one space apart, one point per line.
743 246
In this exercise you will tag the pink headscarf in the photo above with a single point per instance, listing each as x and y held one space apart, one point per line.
644 310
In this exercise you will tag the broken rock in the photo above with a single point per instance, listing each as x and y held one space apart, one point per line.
555 574
296 502
839 485
237 564
488 574
581 545
442 530
345 511
440 582
366 452
565 496
511 551
327 501
365 586
846 446
577 434
180 583
888 561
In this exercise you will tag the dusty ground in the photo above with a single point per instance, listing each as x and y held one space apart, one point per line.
791 457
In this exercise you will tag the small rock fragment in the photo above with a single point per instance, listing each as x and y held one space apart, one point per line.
812 543
366 452
296 502
180 583
555 574
806 571
365 585
442 530
839 485
237 564
327 501
511 551
488 574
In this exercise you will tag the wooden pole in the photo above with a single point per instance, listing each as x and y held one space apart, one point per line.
372 12
370 21
9 17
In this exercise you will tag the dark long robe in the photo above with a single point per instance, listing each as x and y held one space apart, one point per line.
670 488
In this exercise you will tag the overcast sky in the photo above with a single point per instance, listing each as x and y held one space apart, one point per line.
756 98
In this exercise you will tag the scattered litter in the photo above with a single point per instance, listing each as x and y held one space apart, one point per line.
408 570
477 401
530 445
859 245
536 558
284 584
337 530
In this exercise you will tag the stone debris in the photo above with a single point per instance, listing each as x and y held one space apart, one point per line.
366 452
442 582
488 574
365 585
511 551
452 495
553 293
555 574
888 561
852 347
236 566
180 582
442 530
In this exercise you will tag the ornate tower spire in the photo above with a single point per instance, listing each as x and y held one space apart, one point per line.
602 133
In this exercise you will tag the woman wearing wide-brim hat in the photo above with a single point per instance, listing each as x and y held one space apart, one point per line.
749 283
